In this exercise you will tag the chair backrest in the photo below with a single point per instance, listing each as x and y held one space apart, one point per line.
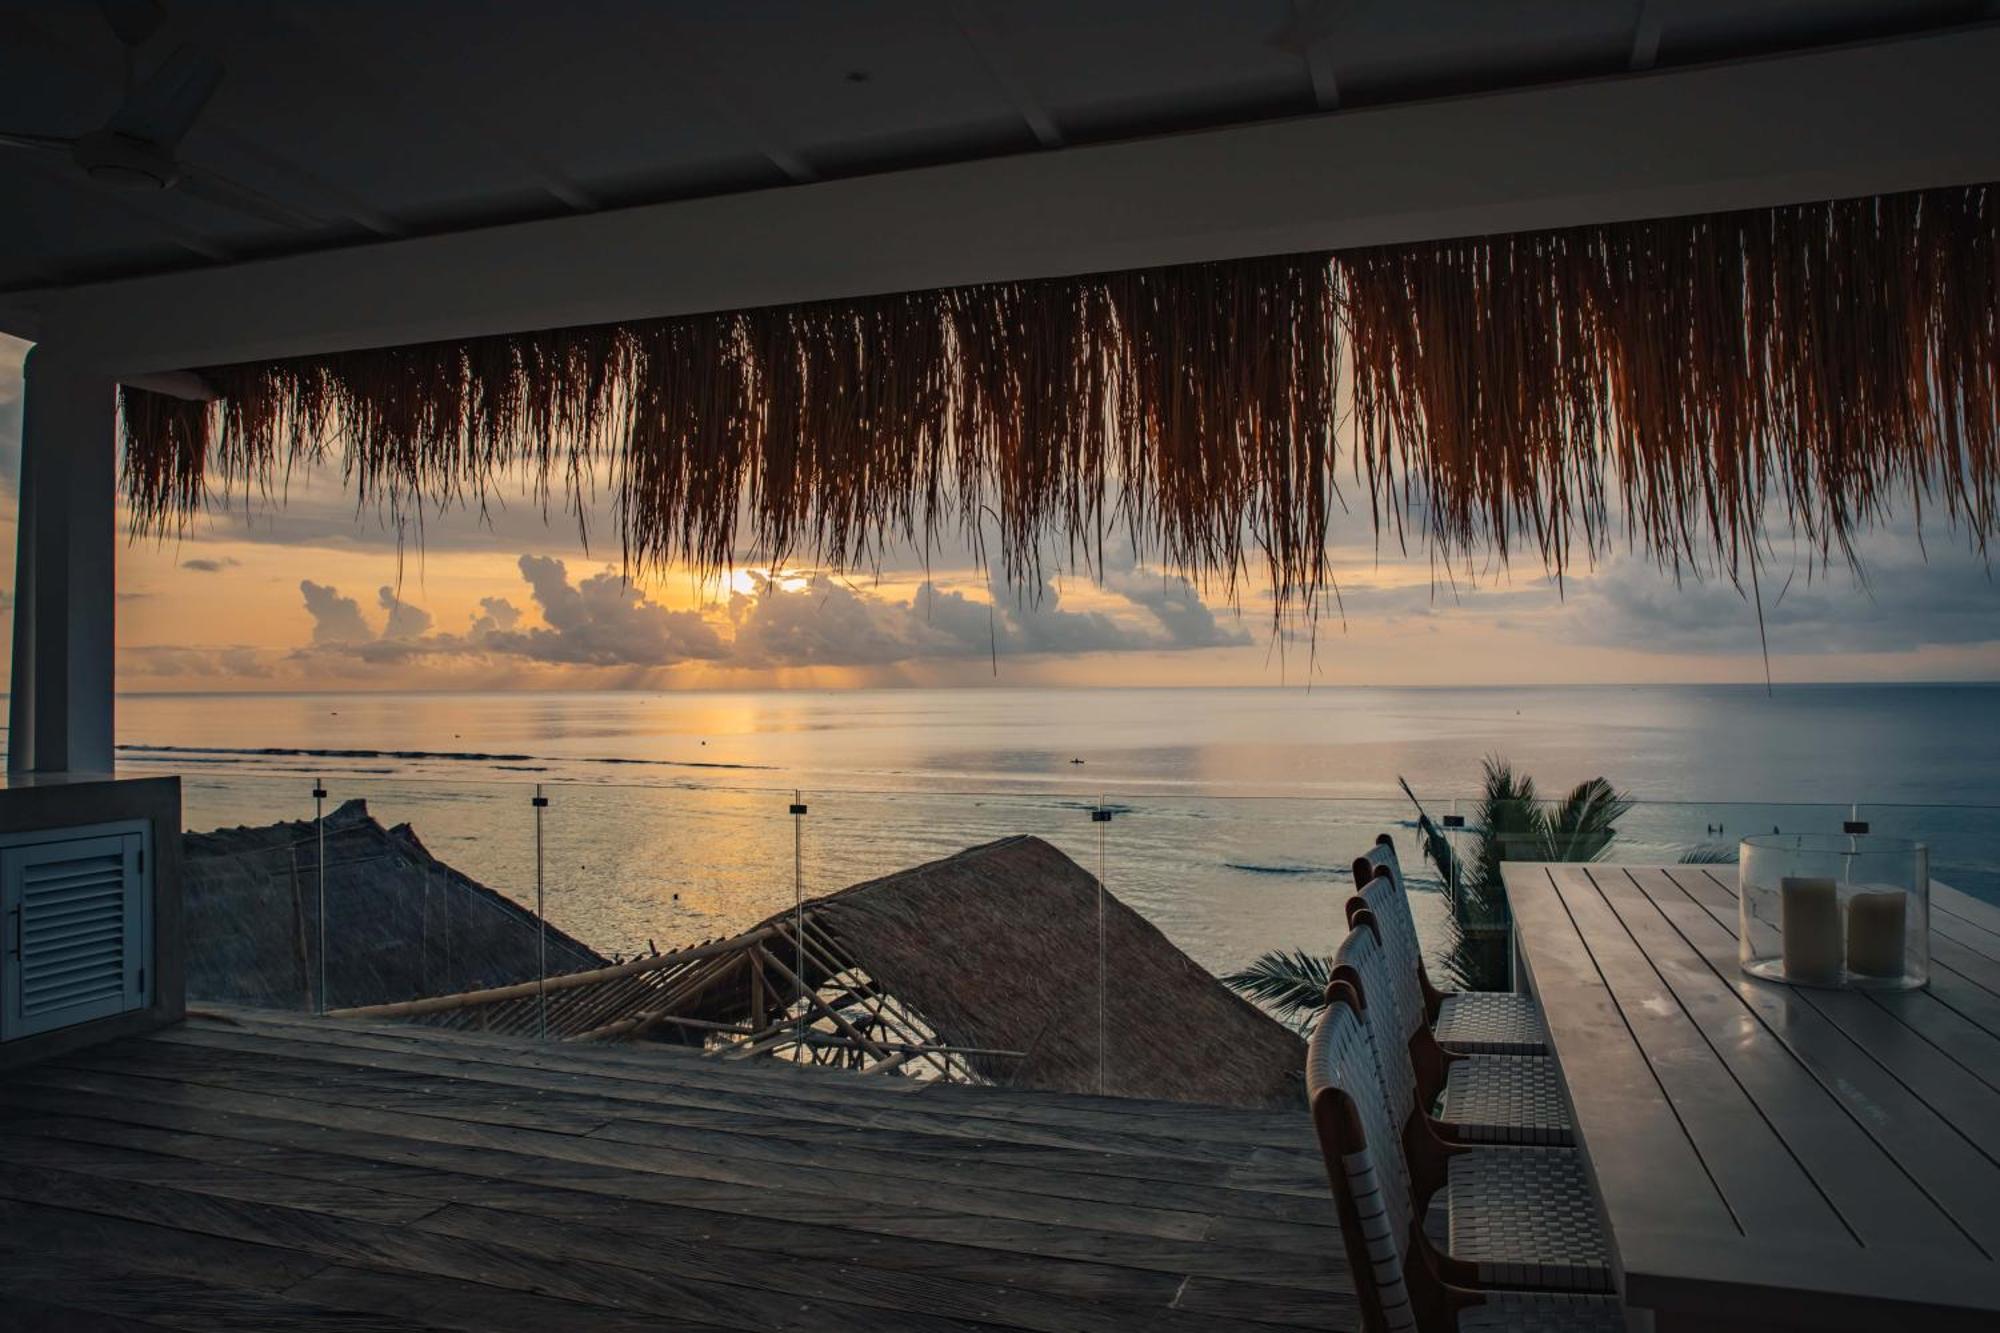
1363 1156
1364 951
1379 882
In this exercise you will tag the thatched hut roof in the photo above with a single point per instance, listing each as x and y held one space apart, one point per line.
1688 378
399 922
983 963
997 947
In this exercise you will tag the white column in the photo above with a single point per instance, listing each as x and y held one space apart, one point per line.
60 710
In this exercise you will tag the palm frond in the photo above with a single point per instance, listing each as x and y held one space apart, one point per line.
1288 984
1709 854
1583 825
1437 847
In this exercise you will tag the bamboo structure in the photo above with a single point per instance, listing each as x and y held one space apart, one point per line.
976 968
1686 381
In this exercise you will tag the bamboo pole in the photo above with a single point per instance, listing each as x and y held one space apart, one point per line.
693 982
829 952
915 1048
770 1039
813 1000
568 981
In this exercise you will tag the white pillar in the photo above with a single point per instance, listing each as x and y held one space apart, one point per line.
60 709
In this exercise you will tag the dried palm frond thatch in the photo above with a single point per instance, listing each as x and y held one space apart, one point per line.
1690 379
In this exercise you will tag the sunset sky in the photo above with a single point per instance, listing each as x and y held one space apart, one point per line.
310 595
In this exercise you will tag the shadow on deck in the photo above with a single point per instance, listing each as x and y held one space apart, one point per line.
263 1170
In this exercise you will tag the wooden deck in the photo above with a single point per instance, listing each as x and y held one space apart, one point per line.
257 1170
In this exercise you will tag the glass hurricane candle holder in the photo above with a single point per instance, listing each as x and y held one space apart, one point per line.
1835 909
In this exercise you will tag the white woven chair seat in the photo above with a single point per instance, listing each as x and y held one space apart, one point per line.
1491 1023
1507 1099
1525 1217
1543 1312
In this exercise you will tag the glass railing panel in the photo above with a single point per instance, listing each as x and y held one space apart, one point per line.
638 869
983 970
1701 832
1964 840
437 889
251 891
352 890
1230 879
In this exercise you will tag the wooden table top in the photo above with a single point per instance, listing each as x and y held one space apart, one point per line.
1767 1154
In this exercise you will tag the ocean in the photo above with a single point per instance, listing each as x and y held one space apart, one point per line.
1235 812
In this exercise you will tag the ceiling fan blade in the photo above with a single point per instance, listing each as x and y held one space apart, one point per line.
197 183
164 108
48 143
1308 25
133 20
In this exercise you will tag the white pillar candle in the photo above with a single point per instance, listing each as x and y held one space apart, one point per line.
1875 932
1809 916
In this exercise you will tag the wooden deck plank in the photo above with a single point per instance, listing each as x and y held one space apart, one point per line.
185 1279
703 1300
1108 1177
675 1067
843 1176
591 1188
1095 1281
677 1078
744 1110
349 1149
700 1263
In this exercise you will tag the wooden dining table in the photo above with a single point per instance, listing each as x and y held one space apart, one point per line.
1769 1156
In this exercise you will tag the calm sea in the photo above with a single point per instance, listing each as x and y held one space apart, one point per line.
1235 810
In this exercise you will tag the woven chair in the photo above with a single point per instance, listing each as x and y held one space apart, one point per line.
1517 1216
1473 1022
1403 1283
1478 1098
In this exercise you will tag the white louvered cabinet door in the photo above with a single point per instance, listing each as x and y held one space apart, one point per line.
77 929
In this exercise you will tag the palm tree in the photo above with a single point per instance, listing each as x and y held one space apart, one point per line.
1512 824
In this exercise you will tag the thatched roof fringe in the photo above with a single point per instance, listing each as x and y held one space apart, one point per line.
1686 377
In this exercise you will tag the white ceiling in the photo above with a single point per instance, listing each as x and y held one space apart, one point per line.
387 118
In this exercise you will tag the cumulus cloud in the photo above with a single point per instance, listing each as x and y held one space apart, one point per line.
1174 602
602 621
163 660
1905 603
204 565
829 623
336 619
405 621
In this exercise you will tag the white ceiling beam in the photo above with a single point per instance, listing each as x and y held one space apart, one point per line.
1313 32
1855 120
698 70
136 206
974 26
1646 36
